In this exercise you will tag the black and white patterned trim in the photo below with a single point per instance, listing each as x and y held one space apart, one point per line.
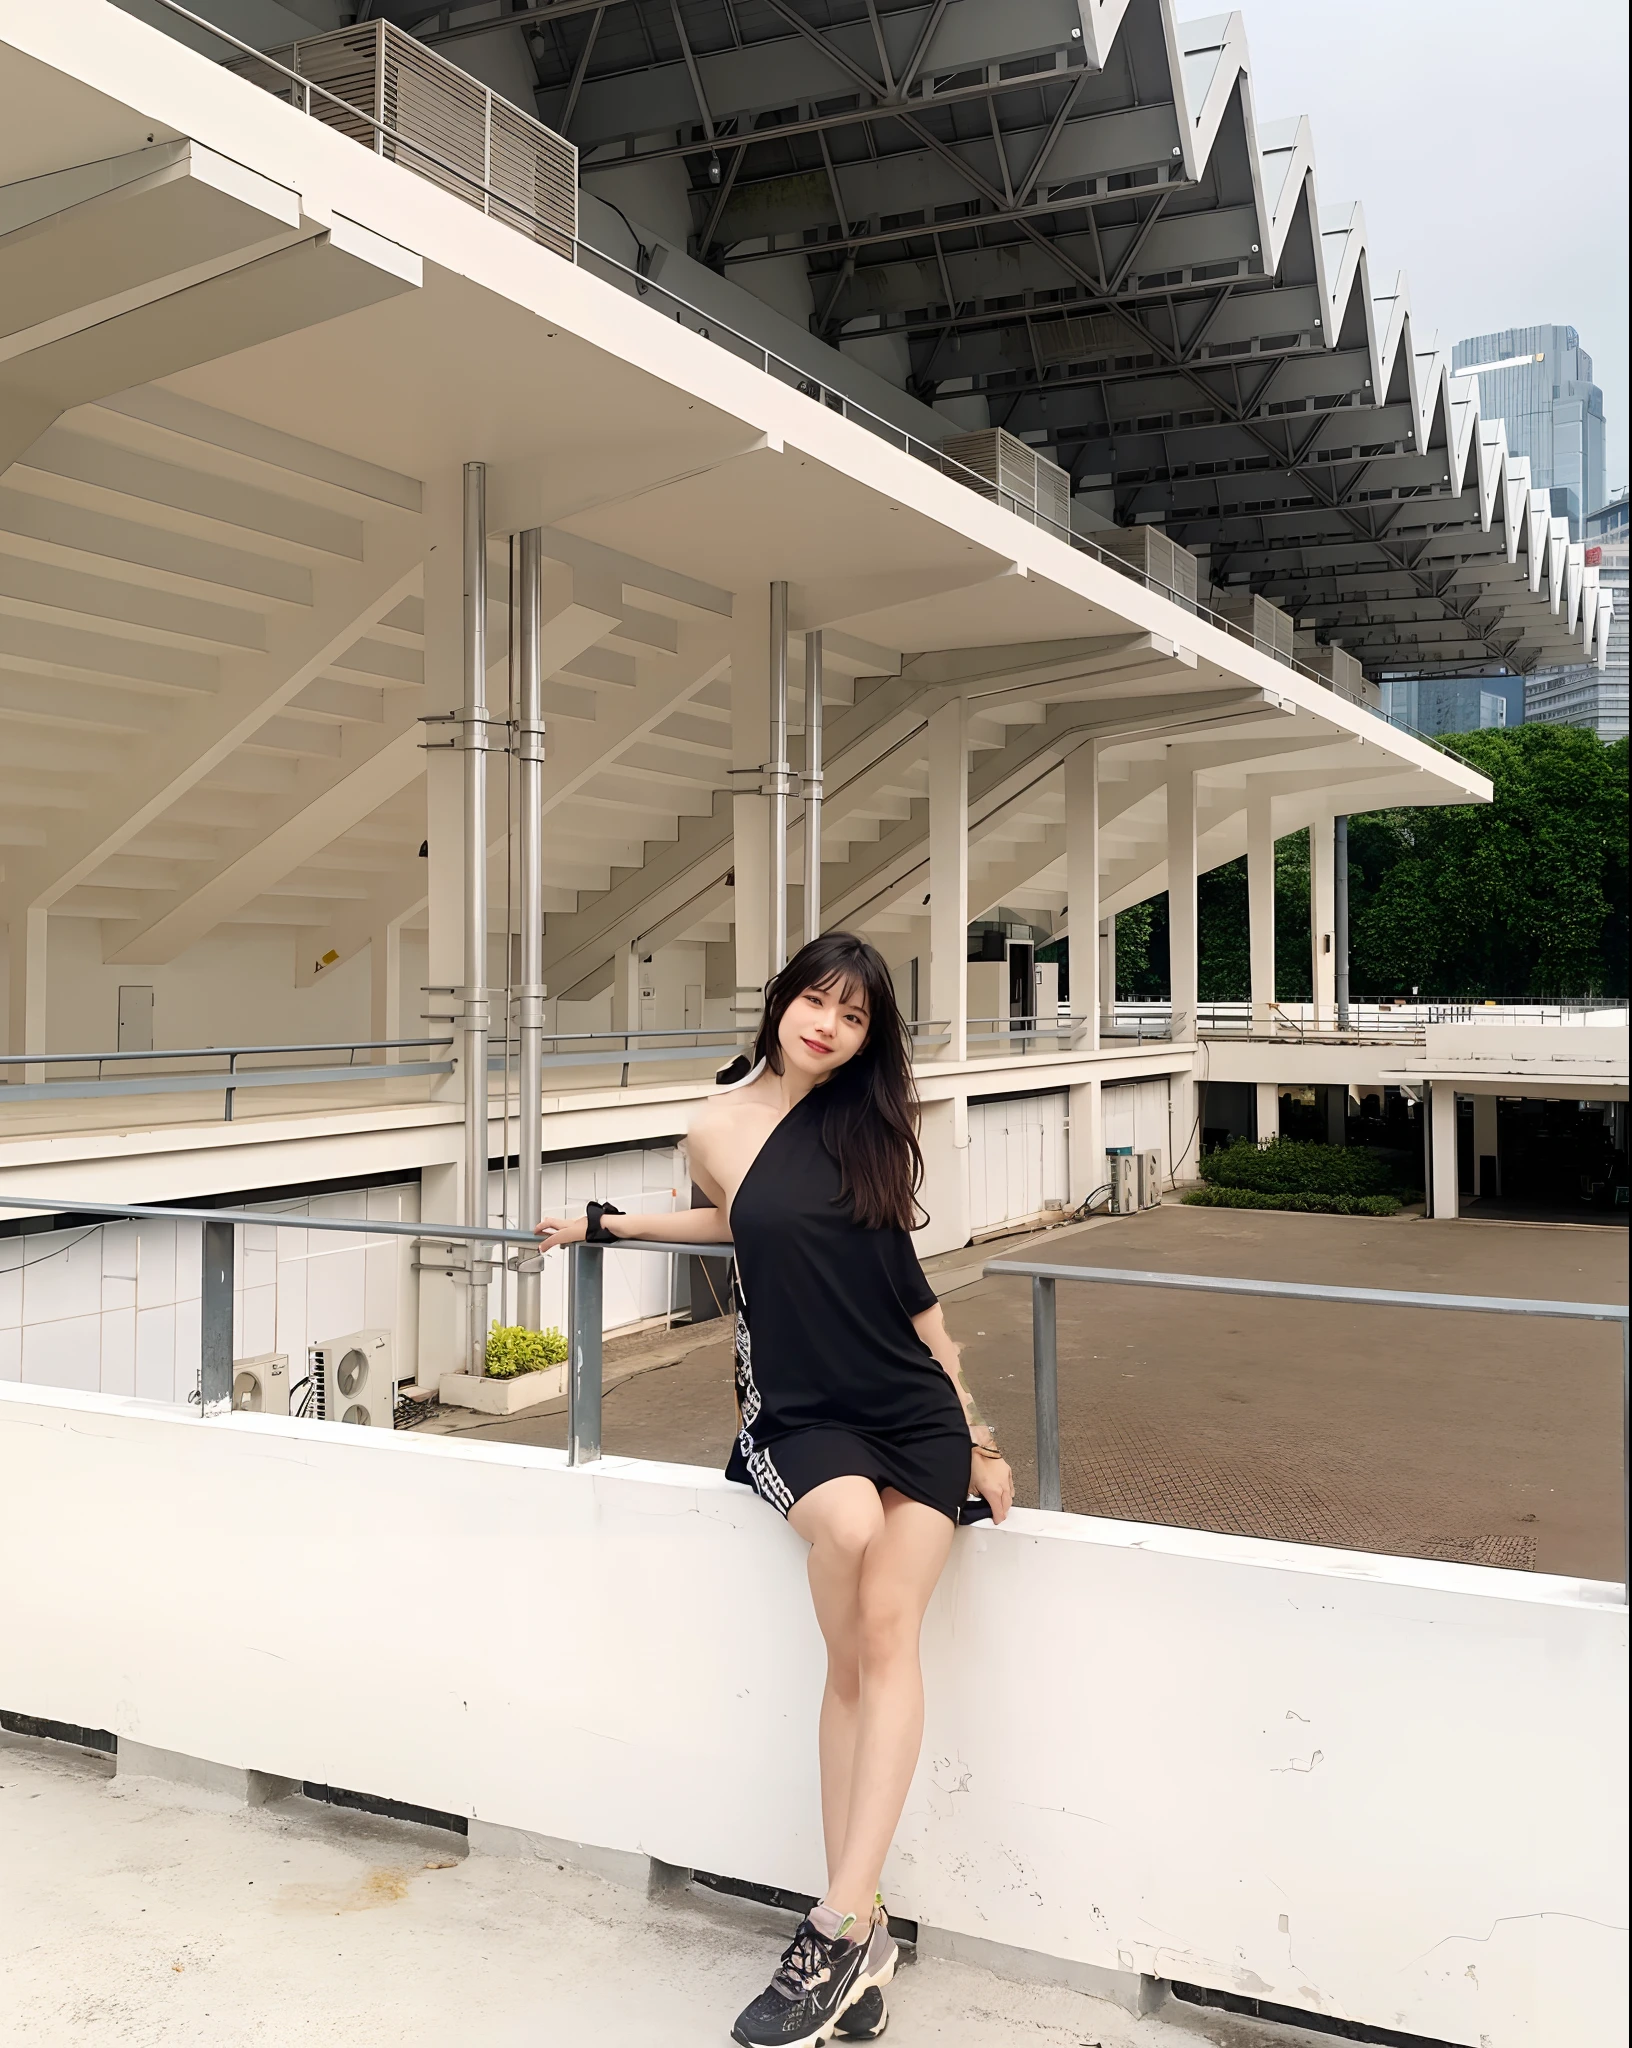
769 1483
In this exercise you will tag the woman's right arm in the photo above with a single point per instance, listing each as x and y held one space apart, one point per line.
682 1226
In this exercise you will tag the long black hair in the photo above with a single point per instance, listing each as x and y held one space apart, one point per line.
870 1106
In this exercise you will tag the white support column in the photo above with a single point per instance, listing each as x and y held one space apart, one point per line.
1184 1133
1444 1203
1086 1156
626 990
1181 897
1268 1100
1082 885
28 936
949 874
751 821
385 992
1322 922
1261 898
1107 974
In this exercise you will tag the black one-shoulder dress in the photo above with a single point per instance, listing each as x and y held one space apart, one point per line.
831 1377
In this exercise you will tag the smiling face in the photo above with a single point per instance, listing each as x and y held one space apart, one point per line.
823 1027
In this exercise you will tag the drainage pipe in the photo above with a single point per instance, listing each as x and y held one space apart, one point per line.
813 786
530 995
474 1015
778 777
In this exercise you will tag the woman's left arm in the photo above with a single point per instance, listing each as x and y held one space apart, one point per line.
989 1474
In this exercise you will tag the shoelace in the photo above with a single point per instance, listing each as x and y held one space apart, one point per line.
805 1963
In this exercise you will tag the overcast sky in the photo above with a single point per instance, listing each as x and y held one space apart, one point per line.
1486 140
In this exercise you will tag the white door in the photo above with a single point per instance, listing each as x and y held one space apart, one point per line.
135 1019
694 1006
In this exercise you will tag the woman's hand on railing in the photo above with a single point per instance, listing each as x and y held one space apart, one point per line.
556 1231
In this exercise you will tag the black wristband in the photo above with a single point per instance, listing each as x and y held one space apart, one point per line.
597 1233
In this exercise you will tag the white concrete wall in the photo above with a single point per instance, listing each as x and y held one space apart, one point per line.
1369 1787
236 987
1017 1158
114 1308
1137 1114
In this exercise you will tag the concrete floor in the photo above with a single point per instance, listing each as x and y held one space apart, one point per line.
136 1915
1473 1438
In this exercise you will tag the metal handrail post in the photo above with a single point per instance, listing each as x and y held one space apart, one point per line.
1045 1345
585 1288
232 1068
1045 1373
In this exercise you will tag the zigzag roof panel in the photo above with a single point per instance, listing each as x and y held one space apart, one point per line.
1071 222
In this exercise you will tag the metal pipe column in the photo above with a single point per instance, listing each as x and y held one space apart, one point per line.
1340 918
474 1019
813 786
530 995
778 777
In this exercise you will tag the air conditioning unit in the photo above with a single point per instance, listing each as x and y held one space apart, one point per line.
1123 1173
1149 1177
354 1379
260 1386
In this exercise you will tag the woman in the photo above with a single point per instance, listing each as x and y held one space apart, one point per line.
853 1418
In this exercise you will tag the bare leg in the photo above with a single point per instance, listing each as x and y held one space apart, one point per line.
899 1569
840 1521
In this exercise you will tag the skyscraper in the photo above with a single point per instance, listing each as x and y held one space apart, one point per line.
1539 380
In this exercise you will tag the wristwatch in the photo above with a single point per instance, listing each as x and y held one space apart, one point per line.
597 1233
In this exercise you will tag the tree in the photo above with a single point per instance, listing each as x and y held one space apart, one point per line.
1524 896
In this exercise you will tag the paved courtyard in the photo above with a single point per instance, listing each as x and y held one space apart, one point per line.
1476 1438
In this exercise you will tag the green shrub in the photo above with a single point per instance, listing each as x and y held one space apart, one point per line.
1292 1166
1302 1204
512 1351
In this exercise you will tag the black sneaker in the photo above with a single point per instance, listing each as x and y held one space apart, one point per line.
867 2018
819 1977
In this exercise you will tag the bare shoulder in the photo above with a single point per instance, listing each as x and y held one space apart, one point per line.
722 1122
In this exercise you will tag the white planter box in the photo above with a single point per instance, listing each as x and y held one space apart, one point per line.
502 1397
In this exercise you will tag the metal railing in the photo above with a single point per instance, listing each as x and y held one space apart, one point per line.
585 1337
585 1291
196 1082
712 328
1045 1364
